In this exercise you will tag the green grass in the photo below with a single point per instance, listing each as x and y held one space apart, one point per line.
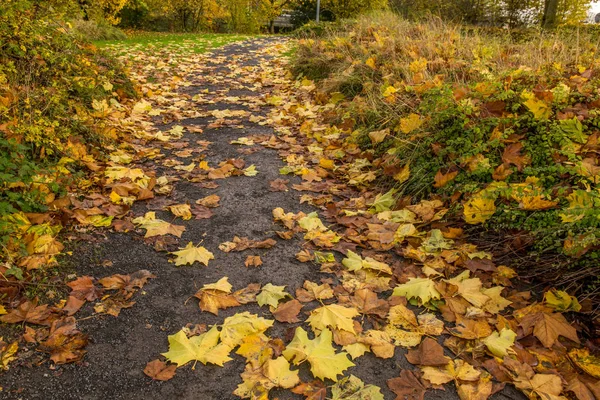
174 42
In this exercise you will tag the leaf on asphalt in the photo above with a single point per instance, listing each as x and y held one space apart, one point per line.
279 185
271 295
29 311
181 210
204 348
429 353
190 255
211 201
457 370
253 261
157 227
332 316
241 244
159 370
65 343
216 296
314 390
352 388
288 311
313 291
324 362
407 386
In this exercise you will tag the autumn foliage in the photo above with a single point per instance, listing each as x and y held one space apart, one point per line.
505 127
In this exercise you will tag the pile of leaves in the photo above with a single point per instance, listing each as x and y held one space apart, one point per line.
505 131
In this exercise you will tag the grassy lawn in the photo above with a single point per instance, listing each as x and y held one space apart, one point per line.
173 42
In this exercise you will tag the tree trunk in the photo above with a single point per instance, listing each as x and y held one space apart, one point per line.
550 11
272 26
83 5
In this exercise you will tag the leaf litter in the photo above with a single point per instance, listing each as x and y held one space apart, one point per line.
393 274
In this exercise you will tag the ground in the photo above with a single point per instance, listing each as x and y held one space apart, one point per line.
121 346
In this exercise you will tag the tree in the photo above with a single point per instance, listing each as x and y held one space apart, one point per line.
550 13
353 8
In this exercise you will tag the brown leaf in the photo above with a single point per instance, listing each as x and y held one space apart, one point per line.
212 300
73 305
502 172
315 390
247 294
83 288
113 305
241 244
29 311
467 328
253 261
279 185
429 353
442 179
407 386
367 302
211 201
201 212
548 327
159 370
512 155
65 343
288 312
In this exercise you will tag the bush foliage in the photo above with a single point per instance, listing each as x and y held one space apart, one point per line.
54 90
503 126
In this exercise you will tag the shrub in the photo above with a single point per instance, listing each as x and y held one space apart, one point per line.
93 30
54 90
504 126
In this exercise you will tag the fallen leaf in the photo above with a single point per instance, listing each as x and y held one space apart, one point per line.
288 311
159 370
190 255
319 352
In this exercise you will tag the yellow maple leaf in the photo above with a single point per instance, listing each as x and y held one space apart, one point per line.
500 343
204 348
157 227
454 370
319 352
191 254
422 289
370 62
271 295
479 209
561 301
538 108
403 174
586 361
389 91
333 316
279 373
181 210
239 326
410 123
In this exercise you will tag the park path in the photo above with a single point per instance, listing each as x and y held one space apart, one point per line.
228 94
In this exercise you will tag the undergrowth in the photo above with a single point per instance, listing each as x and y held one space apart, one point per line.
55 92
503 125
